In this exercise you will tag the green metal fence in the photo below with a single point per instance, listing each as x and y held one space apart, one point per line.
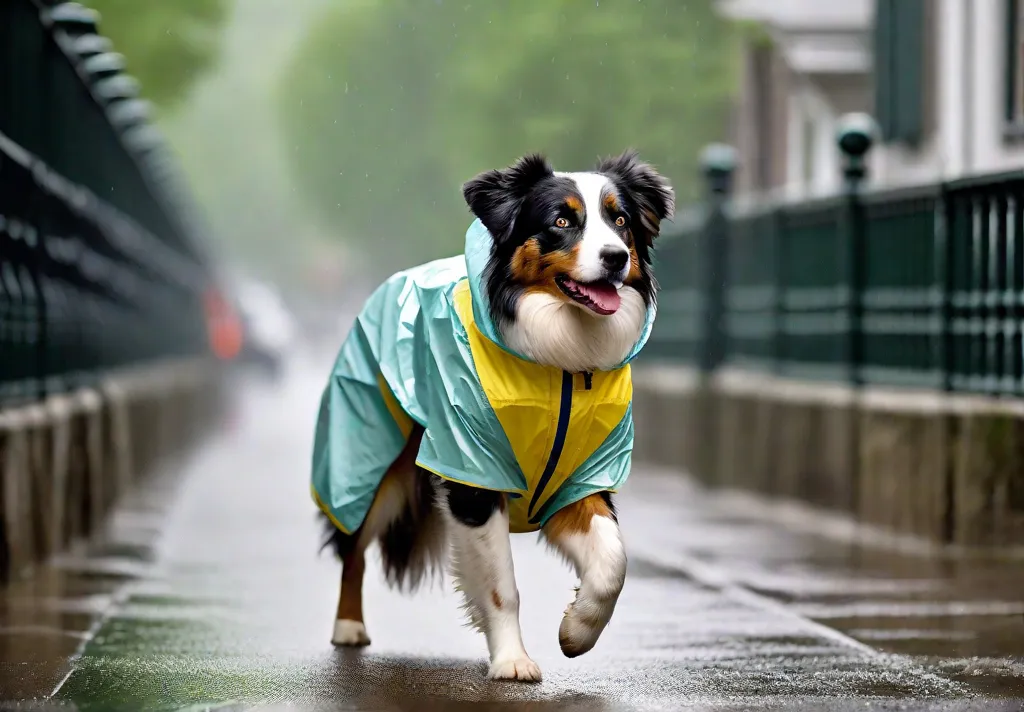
918 287
102 261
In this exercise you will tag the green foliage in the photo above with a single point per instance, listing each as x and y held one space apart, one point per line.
755 33
390 106
169 45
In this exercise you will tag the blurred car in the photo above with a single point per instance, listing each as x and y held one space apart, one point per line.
268 326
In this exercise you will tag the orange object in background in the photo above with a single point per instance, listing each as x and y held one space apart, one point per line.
223 326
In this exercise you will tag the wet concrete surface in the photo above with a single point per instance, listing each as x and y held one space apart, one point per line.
207 592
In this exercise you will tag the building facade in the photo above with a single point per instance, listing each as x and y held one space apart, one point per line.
806 64
943 78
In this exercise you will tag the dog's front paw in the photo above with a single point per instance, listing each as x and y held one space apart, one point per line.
522 669
350 634
583 624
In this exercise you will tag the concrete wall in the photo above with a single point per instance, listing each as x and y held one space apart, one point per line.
945 469
64 462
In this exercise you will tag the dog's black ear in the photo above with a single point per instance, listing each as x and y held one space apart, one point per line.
496 196
653 195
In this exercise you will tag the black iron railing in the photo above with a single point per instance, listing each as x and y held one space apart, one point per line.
102 261
916 287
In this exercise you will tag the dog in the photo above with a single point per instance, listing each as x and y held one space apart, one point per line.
490 393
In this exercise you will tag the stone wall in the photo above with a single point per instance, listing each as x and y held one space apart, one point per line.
949 469
63 462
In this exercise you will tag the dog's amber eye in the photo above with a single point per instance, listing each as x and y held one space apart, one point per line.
620 221
561 222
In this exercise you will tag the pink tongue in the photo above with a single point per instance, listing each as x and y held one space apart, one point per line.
604 296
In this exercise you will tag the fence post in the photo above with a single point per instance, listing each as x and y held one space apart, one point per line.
945 232
855 136
717 162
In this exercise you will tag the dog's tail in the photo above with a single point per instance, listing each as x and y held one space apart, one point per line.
414 544
407 526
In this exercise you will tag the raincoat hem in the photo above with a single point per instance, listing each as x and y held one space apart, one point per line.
436 470
327 511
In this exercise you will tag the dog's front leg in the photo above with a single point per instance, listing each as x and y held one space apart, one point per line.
482 567
587 534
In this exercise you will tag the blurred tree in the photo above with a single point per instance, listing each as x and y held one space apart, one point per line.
390 106
168 45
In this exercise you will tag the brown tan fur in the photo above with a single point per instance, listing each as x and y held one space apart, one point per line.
634 273
537 271
576 517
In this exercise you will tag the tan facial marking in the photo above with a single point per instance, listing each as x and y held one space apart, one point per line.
529 266
537 271
634 273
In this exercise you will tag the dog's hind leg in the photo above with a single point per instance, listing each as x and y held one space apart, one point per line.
478 529
397 501
349 627
587 534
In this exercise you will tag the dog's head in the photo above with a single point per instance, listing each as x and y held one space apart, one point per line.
575 244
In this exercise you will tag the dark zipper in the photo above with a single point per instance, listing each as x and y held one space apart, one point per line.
564 410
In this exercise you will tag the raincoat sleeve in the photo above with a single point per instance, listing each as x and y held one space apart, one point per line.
605 470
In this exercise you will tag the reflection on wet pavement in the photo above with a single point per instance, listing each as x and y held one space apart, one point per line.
208 592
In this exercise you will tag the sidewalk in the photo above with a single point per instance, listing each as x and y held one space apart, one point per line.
211 592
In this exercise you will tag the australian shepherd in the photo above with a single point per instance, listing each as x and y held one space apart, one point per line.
569 285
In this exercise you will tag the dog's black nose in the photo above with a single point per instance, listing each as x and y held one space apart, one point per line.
614 259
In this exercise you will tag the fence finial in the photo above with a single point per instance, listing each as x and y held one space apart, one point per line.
855 136
718 163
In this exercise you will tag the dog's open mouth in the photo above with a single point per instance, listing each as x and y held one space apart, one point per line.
600 297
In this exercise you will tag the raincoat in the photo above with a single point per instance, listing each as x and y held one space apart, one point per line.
425 350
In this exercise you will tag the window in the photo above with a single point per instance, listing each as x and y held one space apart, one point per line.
1014 69
899 52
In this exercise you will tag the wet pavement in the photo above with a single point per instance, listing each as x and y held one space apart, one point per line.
207 592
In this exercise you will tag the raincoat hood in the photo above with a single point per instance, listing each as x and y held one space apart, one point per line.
425 355
478 252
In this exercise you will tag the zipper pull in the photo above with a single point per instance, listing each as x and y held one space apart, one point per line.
588 380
